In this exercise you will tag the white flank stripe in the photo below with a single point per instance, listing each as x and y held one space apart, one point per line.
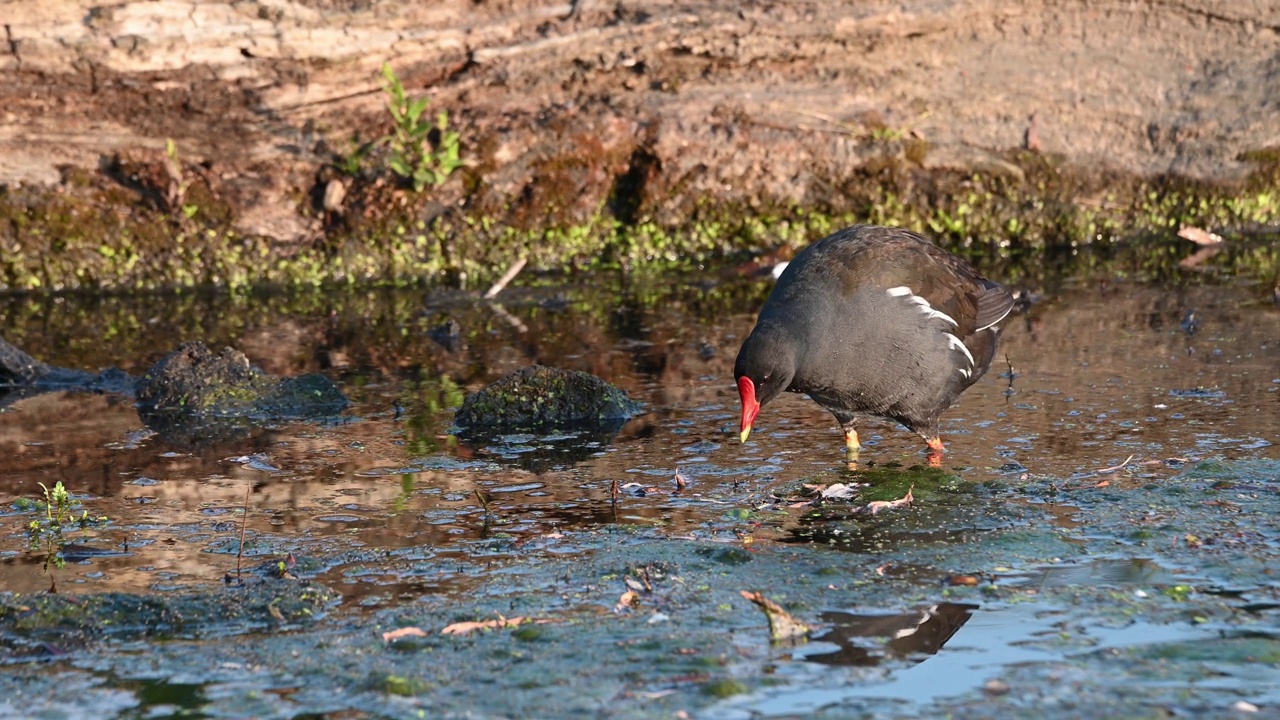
986 327
956 344
925 307
964 372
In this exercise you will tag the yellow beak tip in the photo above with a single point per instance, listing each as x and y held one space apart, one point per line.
743 435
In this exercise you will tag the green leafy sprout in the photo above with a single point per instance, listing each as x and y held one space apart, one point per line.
412 154
48 530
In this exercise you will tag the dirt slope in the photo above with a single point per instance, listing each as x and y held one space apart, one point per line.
561 105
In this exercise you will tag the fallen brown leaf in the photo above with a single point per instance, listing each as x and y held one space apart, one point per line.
1198 257
838 491
963 580
403 632
876 506
626 601
1199 236
782 626
462 628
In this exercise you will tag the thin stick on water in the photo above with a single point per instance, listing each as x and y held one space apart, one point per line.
244 521
1114 468
510 275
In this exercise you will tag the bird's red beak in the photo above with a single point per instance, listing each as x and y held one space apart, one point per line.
750 407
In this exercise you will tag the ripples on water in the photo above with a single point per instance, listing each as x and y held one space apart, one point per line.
1087 379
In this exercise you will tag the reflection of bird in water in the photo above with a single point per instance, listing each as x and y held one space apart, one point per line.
1190 322
905 634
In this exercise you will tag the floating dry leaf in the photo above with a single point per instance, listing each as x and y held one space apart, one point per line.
626 601
838 491
1198 257
403 632
876 506
782 626
1199 236
462 628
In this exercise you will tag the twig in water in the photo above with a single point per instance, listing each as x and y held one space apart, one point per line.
511 319
244 521
1114 467
510 275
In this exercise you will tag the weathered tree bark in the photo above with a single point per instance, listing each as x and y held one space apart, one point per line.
672 100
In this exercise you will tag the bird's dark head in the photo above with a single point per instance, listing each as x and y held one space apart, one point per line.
765 366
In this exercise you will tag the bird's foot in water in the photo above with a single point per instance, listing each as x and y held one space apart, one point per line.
935 452
851 447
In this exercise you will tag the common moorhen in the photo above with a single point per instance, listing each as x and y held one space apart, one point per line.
873 320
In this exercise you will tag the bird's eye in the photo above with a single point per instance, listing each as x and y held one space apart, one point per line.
765 379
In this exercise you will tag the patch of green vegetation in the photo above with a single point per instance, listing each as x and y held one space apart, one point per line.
413 154
48 532
727 556
527 633
723 688
392 684
1023 219
891 481
1232 650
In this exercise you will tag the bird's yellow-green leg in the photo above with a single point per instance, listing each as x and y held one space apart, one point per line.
851 445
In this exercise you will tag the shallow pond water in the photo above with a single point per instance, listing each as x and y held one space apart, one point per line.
1111 387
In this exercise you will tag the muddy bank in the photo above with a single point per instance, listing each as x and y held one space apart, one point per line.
612 133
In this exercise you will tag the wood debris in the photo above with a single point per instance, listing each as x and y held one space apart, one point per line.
876 506
1199 236
462 628
782 625
400 633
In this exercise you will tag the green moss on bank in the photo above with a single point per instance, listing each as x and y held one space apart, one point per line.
1027 217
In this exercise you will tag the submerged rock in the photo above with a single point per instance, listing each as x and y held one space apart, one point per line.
191 397
31 624
193 380
539 397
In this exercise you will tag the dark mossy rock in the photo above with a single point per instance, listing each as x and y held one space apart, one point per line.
539 397
30 623
18 368
193 381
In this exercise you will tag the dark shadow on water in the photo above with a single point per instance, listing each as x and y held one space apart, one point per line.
867 640
539 451
163 700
